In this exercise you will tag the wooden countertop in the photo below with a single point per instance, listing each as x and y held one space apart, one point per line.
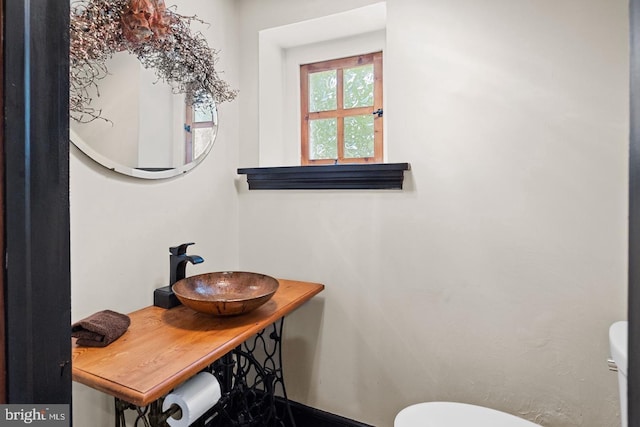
163 348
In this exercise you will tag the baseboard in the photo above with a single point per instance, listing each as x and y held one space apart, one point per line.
306 416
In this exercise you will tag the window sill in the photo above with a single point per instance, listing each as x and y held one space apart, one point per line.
375 176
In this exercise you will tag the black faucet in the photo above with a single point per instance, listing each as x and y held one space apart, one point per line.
178 260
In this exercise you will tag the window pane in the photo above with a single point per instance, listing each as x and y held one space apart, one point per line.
201 139
322 91
358 86
358 136
323 139
202 114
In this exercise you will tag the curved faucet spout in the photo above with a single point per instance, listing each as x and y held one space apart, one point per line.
178 260
194 259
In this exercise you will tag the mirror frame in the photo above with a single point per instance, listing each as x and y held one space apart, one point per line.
161 173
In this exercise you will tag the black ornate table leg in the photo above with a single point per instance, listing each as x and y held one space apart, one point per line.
122 406
254 392
268 343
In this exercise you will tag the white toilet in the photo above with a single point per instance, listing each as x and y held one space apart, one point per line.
451 414
618 345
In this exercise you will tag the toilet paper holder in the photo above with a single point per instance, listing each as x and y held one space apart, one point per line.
152 415
196 397
160 418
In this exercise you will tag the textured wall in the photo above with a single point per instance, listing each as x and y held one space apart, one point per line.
493 277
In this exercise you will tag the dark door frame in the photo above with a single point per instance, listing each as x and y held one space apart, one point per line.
634 219
37 290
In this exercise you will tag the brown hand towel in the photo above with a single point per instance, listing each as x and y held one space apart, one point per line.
100 329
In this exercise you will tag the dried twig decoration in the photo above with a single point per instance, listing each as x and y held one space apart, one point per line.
160 38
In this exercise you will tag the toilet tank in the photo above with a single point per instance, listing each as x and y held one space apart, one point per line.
618 345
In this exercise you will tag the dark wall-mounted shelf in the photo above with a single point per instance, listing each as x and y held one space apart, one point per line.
374 176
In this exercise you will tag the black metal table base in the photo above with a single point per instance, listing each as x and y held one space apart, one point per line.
252 385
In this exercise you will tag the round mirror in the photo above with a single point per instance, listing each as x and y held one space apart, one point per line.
144 129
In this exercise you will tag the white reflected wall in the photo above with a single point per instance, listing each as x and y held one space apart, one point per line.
141 124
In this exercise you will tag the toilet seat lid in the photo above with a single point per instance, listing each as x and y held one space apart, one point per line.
619 345
452 414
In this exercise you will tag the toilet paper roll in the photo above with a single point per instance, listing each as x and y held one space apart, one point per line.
194 398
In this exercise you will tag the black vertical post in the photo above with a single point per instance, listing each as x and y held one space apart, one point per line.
634 220
36 132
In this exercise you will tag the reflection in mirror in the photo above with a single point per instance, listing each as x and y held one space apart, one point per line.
144 129
127 61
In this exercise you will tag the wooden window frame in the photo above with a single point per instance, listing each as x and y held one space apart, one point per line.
340 112
190 125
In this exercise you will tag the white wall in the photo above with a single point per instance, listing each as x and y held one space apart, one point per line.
121 228
493 277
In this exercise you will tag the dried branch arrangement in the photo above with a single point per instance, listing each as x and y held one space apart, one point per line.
160 38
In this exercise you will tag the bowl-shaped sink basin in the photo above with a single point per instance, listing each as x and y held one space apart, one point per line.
225 293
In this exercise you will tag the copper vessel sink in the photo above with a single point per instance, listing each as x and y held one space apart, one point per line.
225 293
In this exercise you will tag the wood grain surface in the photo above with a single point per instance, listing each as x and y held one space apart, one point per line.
163 348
